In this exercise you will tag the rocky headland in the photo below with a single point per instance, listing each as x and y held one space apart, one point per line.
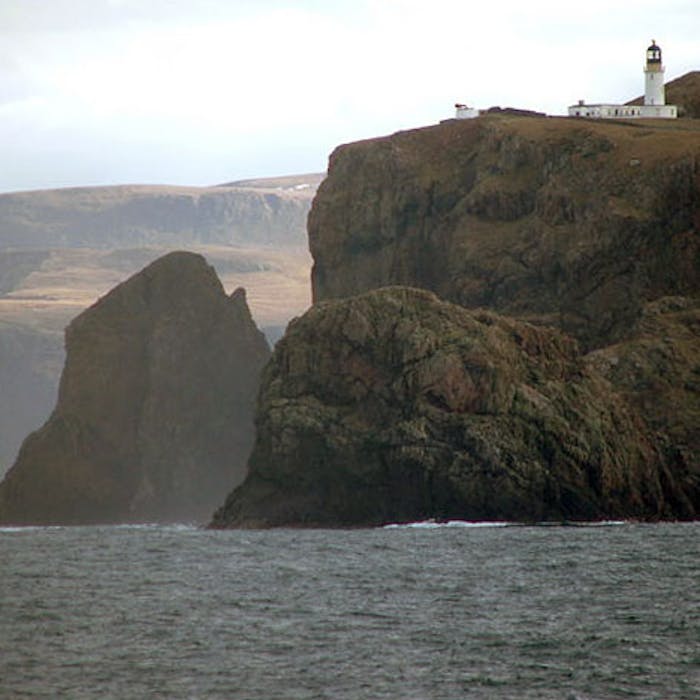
395 406
154 414
556 373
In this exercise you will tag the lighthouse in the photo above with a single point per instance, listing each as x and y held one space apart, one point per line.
654 106
654 93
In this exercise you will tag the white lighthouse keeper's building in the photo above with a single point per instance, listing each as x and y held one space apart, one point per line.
654 106
465 112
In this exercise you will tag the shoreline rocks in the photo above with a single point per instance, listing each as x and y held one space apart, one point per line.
396 406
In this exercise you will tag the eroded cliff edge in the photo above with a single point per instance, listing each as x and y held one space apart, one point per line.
564 379
575 224
154 415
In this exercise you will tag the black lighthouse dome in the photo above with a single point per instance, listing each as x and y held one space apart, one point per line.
654 53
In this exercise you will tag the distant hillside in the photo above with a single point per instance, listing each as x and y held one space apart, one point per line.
61 249
286 183
684 92
46 288
256 212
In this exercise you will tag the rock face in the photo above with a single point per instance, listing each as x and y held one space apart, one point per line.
657 369
397 406
154 414
575 224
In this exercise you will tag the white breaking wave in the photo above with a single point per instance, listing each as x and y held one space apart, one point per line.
174 527
433 525
177 527
27 528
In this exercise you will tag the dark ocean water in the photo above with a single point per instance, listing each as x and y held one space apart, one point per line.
401 613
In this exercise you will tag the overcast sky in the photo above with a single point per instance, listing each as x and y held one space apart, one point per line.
206 91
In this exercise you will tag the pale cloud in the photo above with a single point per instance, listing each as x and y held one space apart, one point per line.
233 83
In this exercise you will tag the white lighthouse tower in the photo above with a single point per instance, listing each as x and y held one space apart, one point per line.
654 93
654 106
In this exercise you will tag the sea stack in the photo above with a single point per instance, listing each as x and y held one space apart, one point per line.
154 414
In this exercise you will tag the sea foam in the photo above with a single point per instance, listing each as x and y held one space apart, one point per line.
432 524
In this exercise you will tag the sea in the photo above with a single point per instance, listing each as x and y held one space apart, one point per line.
416 612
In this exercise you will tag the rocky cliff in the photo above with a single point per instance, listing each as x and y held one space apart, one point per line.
397 406
570 223
562 380
154 414
657 370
